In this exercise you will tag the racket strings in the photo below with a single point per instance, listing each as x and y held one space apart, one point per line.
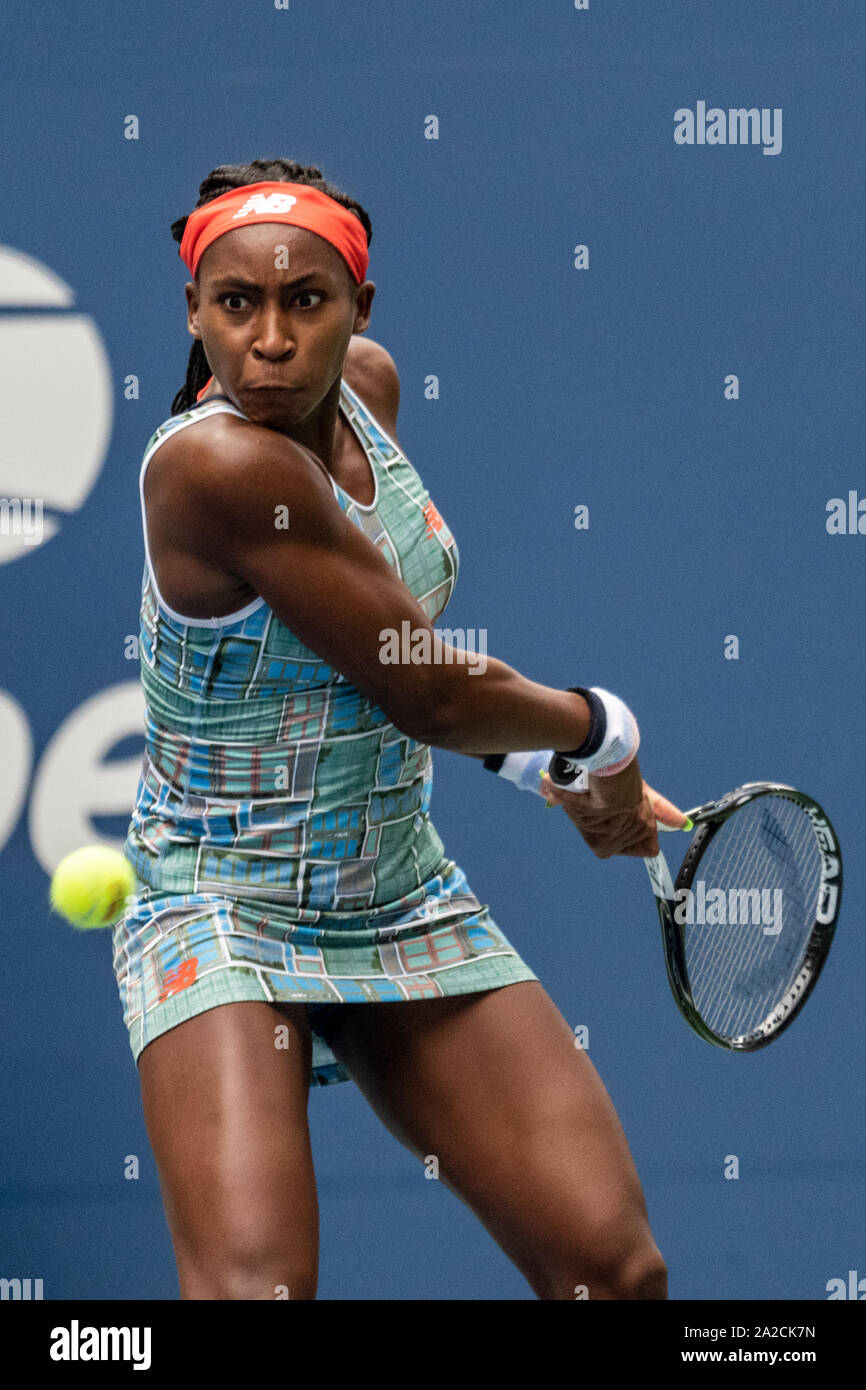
746 972
766 861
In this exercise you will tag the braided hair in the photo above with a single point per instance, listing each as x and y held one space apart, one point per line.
221 180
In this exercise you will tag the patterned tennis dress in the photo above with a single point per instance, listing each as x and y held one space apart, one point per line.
281 833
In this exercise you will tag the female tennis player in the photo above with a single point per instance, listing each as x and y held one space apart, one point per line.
298 921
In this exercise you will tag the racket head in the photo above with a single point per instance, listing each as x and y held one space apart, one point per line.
770 850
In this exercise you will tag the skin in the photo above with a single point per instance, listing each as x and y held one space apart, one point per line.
527 1136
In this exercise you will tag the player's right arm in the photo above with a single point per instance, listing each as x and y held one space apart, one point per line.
334 589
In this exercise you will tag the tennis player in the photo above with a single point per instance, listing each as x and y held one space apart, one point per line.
298 921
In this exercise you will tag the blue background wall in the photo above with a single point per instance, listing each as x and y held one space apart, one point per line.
559 386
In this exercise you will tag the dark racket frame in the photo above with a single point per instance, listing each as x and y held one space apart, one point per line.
708 820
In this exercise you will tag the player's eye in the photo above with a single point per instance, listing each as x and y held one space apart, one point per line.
236 295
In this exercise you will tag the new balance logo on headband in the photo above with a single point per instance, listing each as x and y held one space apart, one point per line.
267 203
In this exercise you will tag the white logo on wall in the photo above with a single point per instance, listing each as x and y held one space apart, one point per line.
56 403
57 407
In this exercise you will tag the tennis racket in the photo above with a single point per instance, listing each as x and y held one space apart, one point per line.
749 919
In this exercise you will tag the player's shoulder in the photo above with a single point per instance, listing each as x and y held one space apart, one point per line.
225 435
370 370
223 457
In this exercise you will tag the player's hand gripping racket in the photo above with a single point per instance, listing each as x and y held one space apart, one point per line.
749 919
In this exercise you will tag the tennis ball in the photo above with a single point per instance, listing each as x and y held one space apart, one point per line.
90 886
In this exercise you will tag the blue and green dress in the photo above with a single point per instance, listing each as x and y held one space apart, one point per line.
281 832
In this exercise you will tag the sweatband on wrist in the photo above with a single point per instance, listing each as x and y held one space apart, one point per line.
597 723
521 768
615 742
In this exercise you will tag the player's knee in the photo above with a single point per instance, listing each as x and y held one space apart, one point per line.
618 1260
643 1275
626 1262
281 1281
249 1269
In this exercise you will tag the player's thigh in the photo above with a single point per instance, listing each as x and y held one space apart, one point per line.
225 1104
518 1118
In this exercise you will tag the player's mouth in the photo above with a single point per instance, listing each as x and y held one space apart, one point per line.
272 386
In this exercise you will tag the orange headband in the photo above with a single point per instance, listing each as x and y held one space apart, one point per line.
295 203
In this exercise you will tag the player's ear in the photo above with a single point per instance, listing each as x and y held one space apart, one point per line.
191 293
363 304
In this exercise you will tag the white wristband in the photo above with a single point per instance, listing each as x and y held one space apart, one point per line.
621 739
523 769
617 749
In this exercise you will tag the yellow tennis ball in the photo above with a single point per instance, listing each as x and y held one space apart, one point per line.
90 886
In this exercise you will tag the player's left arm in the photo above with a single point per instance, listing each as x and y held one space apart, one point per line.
372 372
